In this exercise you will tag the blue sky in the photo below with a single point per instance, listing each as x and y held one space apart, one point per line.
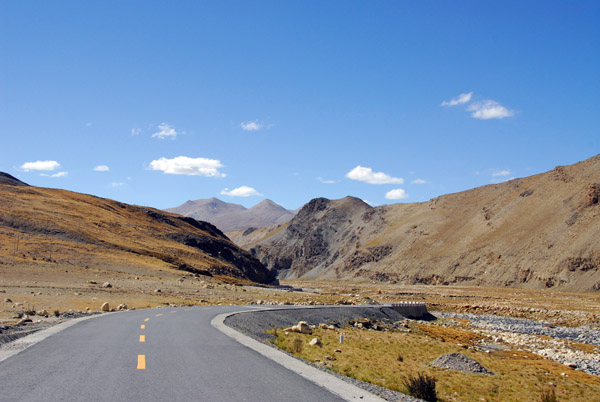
155 103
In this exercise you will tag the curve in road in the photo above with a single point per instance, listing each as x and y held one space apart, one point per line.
156 355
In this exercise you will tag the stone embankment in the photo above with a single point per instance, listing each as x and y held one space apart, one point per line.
553 342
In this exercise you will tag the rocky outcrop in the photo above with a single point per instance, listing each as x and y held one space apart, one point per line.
322 235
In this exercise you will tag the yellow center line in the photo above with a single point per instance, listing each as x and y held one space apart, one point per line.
159 314
147 319
142 326
174 311
188 309
142 338
141 362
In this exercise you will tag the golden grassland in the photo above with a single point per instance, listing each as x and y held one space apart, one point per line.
386 358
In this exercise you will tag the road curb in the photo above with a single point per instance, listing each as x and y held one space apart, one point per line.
19 345
341 388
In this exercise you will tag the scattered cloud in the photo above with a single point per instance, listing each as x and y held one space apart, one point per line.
117 184
459 100
500 173
324 181
419 181
489 109
136 131
166 131
89 124
251 125
40 165
188 166
243 191
396 194
367 175
55 175
101 168
370 203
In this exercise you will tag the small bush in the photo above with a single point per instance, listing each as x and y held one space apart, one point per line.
421 386
400 358
297 345
548 395
56 313
30 311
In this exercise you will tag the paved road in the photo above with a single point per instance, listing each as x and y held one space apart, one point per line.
185 359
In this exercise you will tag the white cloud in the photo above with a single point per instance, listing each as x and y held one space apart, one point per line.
102 168
117 184
368 176
418 181
501 173
324 181
55 175
136 131
460 99
396 194
370 203
166 131
243 191
489 109
251 125
40 165
188 166
89 124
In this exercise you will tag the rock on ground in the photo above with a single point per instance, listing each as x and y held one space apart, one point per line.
460 362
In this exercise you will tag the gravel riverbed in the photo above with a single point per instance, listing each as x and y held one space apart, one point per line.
530 335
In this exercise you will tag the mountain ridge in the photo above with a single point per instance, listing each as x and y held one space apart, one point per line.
538 231
52 226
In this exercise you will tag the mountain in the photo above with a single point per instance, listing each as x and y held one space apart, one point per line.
50 228
231 217
5 178
539 231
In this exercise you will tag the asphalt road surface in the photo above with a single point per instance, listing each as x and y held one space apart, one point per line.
168 354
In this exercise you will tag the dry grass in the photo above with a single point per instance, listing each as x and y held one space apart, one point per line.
373 357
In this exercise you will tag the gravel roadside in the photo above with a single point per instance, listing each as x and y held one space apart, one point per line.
255 323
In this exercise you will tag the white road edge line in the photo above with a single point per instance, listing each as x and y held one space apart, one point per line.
341 388
19 345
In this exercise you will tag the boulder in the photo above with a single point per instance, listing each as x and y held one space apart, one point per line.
106 285
315 342
105 307
303 328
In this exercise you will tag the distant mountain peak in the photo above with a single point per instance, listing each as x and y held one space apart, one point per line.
230 217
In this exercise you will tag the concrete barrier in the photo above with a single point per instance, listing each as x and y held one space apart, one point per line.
411 309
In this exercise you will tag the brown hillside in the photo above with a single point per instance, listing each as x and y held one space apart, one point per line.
539 231
52 228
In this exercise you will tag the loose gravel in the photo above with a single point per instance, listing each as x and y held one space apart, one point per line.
527 334
460 362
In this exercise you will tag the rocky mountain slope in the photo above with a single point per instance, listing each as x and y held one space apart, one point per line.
538 231
53 228
231 217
